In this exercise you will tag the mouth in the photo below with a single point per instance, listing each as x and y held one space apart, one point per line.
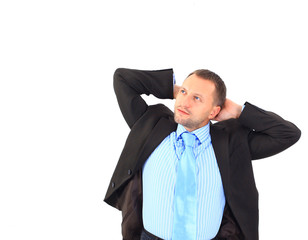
182 112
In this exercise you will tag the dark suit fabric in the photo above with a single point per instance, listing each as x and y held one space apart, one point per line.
255 134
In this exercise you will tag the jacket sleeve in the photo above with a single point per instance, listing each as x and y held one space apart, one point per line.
270 134
130 84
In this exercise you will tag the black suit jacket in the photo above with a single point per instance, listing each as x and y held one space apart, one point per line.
255 134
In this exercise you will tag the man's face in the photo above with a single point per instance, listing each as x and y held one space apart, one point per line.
194 105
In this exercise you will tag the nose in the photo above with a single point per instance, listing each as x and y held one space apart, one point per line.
186 103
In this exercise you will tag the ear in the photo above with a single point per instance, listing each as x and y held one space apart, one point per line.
214 112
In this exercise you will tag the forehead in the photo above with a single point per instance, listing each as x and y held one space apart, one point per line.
198 85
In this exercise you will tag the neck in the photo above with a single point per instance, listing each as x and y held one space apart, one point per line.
193 129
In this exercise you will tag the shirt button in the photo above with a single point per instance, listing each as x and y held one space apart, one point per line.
129 172
112 184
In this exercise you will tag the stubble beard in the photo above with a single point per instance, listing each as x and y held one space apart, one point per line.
187 123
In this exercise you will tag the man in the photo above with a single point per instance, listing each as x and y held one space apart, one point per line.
168 188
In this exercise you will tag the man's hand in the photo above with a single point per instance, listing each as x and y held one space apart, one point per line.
230 110
176 89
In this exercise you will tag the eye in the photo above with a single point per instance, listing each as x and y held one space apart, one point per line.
197 98
183 91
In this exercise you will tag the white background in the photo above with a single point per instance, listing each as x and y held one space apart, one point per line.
61 129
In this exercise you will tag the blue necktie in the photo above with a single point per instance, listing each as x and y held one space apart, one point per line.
185 199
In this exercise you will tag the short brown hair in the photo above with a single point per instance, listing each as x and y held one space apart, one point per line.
221 90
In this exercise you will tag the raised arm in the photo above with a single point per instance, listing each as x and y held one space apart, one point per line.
270 134
130 84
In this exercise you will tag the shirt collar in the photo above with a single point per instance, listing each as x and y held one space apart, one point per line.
202 133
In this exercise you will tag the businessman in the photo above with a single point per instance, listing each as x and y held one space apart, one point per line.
179 175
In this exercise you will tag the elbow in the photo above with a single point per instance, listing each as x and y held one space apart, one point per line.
118 72
297 134
294 134
118 79
117 75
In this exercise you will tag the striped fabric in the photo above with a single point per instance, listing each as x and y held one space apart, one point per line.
159 173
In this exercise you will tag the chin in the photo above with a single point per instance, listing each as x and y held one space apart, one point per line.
187 123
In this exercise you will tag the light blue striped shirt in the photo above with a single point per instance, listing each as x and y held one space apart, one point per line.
159 177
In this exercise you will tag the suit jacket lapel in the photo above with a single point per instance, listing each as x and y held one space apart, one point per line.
220 145
162 129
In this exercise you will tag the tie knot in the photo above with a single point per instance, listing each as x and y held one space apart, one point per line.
189 139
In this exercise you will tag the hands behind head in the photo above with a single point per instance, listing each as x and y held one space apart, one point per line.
230 110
